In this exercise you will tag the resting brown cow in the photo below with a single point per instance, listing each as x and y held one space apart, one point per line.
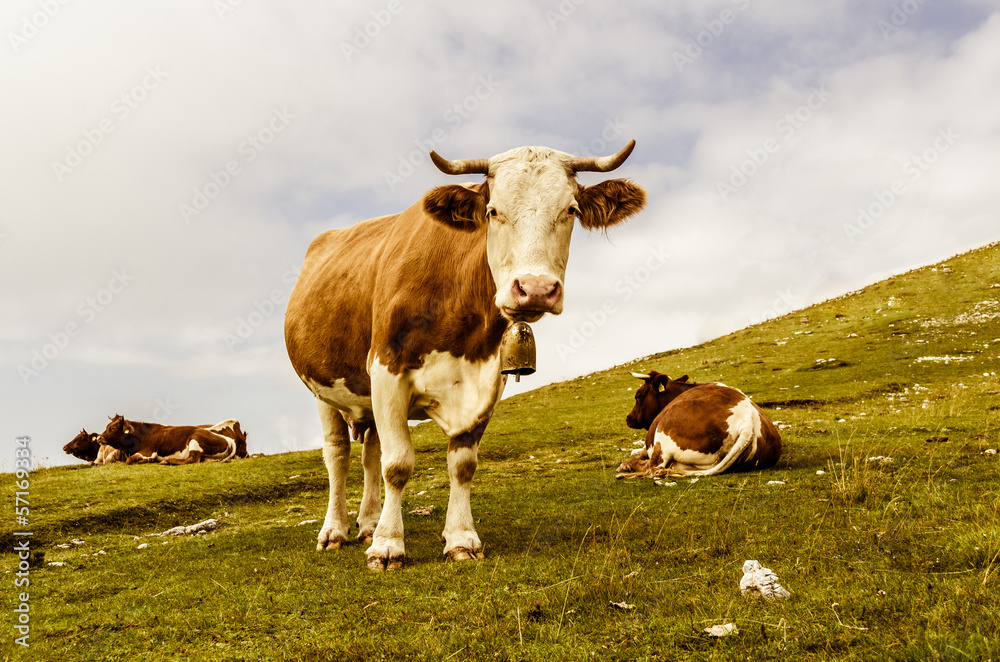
86 446
168 444
698 429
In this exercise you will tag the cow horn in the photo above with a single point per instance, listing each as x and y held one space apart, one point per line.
638 375
460 166
600 163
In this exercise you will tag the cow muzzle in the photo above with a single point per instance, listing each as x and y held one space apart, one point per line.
530 297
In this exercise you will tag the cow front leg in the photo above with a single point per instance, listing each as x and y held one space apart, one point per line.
371 500
390 404
461 541
337 457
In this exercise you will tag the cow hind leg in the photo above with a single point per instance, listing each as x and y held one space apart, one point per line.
461 541
371 500
337 457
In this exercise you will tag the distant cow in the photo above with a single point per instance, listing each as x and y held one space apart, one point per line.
168 444
699 429
86 446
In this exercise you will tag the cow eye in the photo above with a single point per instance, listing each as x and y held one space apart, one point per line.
491 212
574 211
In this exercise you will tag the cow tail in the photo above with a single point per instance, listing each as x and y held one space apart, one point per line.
749 432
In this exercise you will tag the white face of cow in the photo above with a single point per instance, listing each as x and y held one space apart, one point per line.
530 217
530 202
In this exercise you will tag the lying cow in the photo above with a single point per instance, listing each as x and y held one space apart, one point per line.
86 446
169 444
698 429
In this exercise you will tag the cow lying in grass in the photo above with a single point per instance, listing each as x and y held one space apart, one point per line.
169 444
86 446
698 429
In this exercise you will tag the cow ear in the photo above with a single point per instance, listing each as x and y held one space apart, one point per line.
609 203
682 379
458 206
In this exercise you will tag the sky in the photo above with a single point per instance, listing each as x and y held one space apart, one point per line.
165 166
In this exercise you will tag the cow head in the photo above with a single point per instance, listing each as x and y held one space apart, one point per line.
84 446
656 392
119 434
528 204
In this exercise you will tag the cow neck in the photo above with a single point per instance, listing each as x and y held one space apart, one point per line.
443 300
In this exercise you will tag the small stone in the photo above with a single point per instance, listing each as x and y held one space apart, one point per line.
723 630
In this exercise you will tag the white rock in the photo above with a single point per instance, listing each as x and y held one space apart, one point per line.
307 521
775 482
56 563
820 472
207 525
722 630
990 451
143 545
758 580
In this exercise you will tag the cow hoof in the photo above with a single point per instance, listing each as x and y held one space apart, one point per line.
464 554
330 540
379 564
365 538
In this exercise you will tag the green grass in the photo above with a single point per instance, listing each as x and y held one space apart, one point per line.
894 560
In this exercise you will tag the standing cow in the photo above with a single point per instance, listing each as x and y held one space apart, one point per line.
401 317
698 429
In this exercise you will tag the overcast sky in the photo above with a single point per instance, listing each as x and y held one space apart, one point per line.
165 166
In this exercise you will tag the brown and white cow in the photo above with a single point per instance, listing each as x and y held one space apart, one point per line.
86 446
175 444
401 317
698 429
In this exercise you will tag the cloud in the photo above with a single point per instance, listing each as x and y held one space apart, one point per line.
274 123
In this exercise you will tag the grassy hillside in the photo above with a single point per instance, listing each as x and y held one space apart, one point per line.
885 559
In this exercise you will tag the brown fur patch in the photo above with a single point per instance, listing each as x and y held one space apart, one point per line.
457 206
609 203
696 420
397 475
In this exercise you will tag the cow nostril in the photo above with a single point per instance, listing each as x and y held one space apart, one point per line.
556 292
518 289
